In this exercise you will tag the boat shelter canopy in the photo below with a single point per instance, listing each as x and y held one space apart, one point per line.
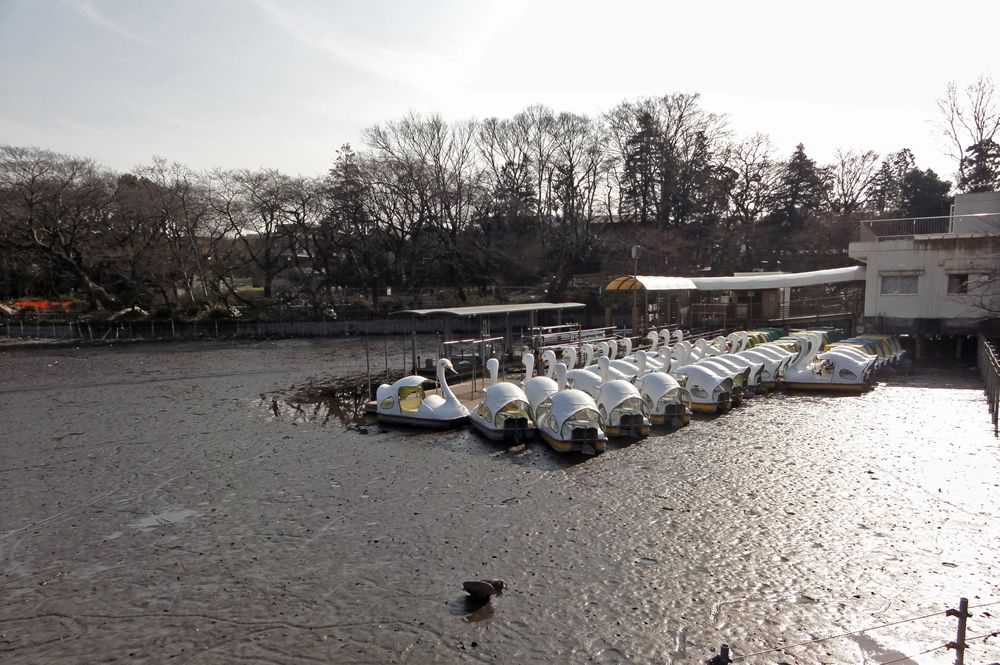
650 283
488 310
738 283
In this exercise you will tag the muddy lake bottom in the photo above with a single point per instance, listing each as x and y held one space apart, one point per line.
155 509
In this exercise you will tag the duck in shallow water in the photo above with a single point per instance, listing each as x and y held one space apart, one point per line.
483 590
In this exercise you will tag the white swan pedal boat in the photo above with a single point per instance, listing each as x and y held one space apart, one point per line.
502 415
405 402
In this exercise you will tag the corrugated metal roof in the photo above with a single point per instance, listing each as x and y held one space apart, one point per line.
740 283
486 310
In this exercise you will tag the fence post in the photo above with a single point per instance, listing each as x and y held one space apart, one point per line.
722 658
959 644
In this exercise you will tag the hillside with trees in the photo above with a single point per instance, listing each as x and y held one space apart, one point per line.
533 199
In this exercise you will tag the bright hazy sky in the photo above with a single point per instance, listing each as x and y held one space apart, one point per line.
253 83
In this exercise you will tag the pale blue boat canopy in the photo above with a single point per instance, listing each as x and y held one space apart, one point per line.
748 282
488 310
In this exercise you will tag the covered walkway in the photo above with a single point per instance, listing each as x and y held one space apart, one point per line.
743 298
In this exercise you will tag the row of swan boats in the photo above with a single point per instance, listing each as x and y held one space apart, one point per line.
591 392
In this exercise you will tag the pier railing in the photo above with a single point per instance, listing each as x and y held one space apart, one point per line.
989 368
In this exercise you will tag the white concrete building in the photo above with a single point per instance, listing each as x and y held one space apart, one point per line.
934 275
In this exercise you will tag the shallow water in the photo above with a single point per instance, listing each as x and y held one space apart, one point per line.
154 509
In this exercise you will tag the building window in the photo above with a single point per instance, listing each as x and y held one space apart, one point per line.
958 283
966 282
899 285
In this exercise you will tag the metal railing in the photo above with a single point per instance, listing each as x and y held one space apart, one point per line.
882 229
725 315
989 368
908 227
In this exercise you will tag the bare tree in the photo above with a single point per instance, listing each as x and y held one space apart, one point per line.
59 208
541 124
969 117
194 237
251 203
756 178
851 177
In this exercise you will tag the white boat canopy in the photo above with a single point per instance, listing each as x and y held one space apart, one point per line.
501 394
738 283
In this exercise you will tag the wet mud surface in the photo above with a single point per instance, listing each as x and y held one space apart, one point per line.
155 509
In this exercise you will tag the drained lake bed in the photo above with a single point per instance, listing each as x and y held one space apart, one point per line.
159 506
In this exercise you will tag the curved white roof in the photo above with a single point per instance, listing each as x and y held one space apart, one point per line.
485 310
411 381
614 393
501 394
538 388
741 360
567 402
840 359
650 283
658 383
738 283
702 373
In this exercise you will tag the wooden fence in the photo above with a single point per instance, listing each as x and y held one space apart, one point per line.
989 368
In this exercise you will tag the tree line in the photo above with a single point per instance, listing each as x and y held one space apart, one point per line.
535 198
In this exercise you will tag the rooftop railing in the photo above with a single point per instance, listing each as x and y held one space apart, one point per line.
908 227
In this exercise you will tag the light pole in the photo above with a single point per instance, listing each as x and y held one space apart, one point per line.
635 292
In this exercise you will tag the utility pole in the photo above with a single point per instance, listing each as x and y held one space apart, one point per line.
959 644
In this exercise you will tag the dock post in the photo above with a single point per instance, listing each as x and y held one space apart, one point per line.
368 364
959 644
413 350
722 658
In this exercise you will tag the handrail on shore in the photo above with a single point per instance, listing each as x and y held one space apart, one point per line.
988 361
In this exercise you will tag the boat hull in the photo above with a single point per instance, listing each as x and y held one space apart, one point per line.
724 405
828 387
511 435
594 447
423 423
676 415
633 432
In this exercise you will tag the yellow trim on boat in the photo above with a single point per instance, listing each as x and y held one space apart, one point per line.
599 445
622 433
704 408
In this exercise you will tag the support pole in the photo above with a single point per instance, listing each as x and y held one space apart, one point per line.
959 644
722 658
368 364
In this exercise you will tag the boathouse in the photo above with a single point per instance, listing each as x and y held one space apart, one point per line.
936 278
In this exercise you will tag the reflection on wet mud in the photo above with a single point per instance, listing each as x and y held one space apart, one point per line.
472 610
155 517
318 399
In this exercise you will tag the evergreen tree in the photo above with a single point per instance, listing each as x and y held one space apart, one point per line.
639 195
802 187
923 194
885 192
981 167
